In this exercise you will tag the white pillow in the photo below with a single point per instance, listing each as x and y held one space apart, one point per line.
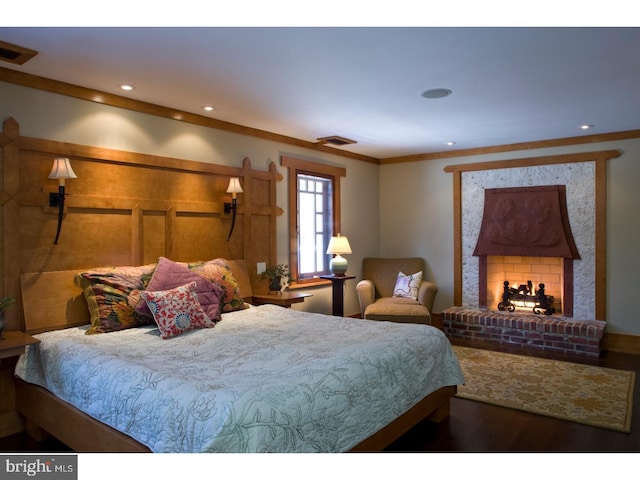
407 285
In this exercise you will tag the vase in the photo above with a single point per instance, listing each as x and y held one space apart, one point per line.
275 284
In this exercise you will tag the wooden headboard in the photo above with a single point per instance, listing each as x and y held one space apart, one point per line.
124 208
51 301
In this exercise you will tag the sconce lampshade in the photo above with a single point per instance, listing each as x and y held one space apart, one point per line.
234 186
61 169
338 246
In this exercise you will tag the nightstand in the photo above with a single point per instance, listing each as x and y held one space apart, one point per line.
11 347
14 343
284 299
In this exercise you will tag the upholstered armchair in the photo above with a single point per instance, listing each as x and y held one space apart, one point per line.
376 291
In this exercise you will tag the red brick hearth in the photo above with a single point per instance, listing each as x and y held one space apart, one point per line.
549 333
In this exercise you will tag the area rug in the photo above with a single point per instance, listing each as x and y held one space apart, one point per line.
595 396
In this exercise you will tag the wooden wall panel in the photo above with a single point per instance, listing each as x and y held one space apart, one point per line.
197 236
260 191
261 235
153 235
89 237
125 208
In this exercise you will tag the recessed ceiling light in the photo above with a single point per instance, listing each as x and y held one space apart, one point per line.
585 127
126 86
436 93
209 108
451 144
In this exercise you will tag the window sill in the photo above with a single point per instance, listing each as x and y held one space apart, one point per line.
312 282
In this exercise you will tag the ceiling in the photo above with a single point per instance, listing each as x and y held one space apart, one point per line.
509 85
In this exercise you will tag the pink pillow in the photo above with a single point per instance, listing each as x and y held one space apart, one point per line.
169 274
177 310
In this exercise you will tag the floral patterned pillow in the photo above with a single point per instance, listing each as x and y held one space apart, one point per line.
218 272
407 285
177 310
112 294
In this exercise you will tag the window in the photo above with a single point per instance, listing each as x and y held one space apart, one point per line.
314 224
314 216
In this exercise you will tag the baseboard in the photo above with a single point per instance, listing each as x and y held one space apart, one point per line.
622 343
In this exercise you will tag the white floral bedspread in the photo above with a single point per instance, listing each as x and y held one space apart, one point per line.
265 379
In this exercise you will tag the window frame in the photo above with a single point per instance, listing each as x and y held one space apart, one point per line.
333 173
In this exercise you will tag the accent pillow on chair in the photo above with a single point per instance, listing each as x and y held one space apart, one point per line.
387 294
407 285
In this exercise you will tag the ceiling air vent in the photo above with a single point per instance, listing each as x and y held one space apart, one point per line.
335 140
14 54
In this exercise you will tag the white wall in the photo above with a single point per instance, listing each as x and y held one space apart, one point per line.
57 117
416 218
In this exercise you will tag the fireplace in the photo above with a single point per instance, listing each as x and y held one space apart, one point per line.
525 239
584 176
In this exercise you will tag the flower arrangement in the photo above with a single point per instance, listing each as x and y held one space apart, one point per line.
278 275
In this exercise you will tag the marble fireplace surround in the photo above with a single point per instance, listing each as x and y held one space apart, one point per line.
584 176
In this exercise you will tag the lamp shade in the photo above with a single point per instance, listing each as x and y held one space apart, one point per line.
234 185
62 169
339 245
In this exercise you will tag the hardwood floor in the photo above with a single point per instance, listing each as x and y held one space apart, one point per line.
482 428
21 442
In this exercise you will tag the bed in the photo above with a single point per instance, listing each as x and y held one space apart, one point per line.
263 379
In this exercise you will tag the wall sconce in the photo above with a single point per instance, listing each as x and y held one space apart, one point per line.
338 245
61 170
233 188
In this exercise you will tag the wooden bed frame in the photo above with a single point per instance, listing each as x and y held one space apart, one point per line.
51 301
47 415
